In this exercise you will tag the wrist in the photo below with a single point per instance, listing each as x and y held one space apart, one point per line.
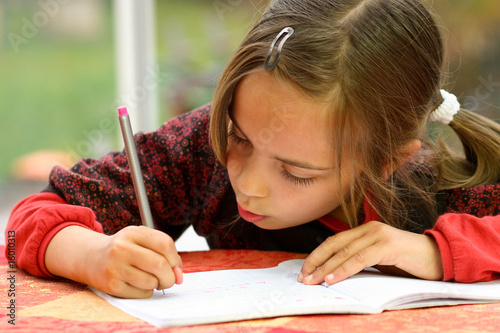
436 264
69 251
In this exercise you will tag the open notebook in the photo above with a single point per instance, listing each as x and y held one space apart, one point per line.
239 294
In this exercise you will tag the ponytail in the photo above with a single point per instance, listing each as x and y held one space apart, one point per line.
480 138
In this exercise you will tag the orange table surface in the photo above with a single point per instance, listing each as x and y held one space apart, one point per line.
44 305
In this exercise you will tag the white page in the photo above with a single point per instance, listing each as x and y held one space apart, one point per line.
218 296
394 292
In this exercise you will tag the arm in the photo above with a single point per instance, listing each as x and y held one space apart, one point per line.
183 181
57 239
461 247
373 243
130 263
36 219
469 246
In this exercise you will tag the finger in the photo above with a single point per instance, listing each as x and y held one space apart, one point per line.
153 252
339 269
164 245
138 278
159 242
129 282
131 292
319 256
166 283
178 275
329 248
124 290
154 264
354 251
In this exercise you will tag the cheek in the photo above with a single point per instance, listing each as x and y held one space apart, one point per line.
324 197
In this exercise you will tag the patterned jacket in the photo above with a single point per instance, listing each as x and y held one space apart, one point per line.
187 185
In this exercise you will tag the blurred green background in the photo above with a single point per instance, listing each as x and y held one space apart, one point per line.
57 78
58 84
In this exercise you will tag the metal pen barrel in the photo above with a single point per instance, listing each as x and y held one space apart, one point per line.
135 168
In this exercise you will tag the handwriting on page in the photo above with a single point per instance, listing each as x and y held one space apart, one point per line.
218 296
219 291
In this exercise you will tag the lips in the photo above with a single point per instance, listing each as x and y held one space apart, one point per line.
249 216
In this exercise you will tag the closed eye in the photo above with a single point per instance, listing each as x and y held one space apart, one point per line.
236 139
296 180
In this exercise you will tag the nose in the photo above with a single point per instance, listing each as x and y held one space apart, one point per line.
252 180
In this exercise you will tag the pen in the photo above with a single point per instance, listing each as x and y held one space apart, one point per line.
135 167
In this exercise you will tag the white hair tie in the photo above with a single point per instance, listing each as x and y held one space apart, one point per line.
445 112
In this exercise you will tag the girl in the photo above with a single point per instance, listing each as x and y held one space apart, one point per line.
317 140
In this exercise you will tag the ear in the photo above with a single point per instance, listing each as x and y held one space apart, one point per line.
404 154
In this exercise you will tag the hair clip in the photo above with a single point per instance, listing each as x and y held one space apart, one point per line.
445 112
286 33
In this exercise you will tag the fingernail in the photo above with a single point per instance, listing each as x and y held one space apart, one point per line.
329 278
300 277
308 279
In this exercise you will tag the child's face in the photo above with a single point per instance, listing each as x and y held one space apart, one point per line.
279 156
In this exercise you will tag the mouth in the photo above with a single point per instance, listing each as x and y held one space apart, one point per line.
249 216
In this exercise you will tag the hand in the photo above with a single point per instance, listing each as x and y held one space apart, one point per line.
135 261
376 244
130 264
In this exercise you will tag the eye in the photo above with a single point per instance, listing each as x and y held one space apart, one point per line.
236 139
299 181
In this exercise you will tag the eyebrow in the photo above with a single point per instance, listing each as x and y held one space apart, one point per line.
300 164
295 163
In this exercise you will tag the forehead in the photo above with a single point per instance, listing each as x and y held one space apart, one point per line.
276 117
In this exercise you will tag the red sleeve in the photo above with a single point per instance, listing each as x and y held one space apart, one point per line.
469 246
35 220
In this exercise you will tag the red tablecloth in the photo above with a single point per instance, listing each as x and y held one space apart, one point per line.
43 305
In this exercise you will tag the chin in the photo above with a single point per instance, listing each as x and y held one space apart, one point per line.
268 224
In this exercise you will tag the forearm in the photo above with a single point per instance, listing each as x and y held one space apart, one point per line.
68 253
36 219
130 263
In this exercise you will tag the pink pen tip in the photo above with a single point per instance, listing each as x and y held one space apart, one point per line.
122 111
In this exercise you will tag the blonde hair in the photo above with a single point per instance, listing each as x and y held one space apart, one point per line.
379 63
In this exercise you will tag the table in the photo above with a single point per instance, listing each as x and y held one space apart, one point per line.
44 305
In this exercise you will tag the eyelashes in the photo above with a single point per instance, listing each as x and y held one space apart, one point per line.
298 181
236 139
